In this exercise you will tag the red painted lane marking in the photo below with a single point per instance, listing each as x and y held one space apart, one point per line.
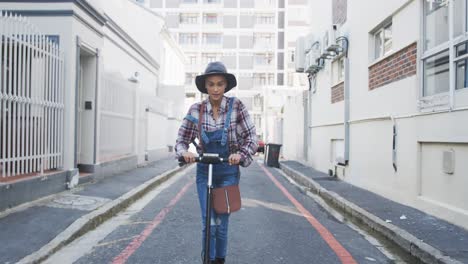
136 243
339 250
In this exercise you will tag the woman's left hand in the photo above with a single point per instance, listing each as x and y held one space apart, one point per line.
234 159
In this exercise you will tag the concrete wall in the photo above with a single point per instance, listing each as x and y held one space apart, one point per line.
293 132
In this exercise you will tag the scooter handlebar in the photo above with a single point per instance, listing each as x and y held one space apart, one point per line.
206 158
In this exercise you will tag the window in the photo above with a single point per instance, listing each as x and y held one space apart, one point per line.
264 2
338 71
291 56
436 25
263 59
188 18
188 38
210 18
291 79
209 57
460 10
192 59
263 79
263 40
461 66
189 1
383 41
258 121
260 79
213 1
265 19
212 38
189 78
436 74
437 56
258 101
302 79
271 79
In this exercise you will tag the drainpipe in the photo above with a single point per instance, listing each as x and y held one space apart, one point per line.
346 97
96 110
308 124
394 144
77 88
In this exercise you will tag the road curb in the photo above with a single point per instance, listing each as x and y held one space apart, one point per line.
411 244
92 220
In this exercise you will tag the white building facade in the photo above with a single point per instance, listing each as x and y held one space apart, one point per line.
116 60
390 115
254 39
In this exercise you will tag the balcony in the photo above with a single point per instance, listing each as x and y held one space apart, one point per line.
217 25
264 26
214 4
189 3
264 67
194 67
189 26
264 46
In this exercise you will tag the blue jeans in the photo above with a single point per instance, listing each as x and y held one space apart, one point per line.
219 222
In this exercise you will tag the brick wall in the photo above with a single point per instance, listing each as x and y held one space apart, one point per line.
337 93
398 66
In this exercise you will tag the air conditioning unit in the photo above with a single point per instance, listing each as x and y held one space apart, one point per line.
312 55
329 45
299 54
312 59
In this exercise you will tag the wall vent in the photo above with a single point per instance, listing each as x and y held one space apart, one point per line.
449 161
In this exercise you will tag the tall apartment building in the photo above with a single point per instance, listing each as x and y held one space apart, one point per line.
255 39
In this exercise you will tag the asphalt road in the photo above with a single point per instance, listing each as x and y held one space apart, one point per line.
277 224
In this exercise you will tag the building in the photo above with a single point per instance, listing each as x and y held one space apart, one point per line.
255 39
84 93
387 110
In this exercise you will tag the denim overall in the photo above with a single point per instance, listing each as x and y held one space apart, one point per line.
223 175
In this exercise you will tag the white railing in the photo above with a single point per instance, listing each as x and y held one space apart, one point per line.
31 99
118 118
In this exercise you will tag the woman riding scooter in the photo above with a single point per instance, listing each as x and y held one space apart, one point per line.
225 129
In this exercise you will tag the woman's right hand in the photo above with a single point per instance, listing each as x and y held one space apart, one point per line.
189 157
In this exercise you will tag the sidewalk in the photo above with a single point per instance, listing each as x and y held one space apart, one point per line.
430 239
31 233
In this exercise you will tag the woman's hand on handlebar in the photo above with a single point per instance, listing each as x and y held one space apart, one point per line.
234 159
189 157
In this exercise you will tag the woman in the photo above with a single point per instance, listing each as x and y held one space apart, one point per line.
226 129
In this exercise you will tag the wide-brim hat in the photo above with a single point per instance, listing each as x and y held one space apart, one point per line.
215 68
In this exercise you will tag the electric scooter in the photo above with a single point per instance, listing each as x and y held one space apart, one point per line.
210 159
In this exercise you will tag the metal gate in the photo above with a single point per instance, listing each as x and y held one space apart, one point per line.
31 99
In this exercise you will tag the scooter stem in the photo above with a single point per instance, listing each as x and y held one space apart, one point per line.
209 184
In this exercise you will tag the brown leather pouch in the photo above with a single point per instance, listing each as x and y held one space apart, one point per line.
226 199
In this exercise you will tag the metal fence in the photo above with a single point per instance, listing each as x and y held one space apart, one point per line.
31 99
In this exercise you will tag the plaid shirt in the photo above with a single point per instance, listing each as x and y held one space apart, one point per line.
241 133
